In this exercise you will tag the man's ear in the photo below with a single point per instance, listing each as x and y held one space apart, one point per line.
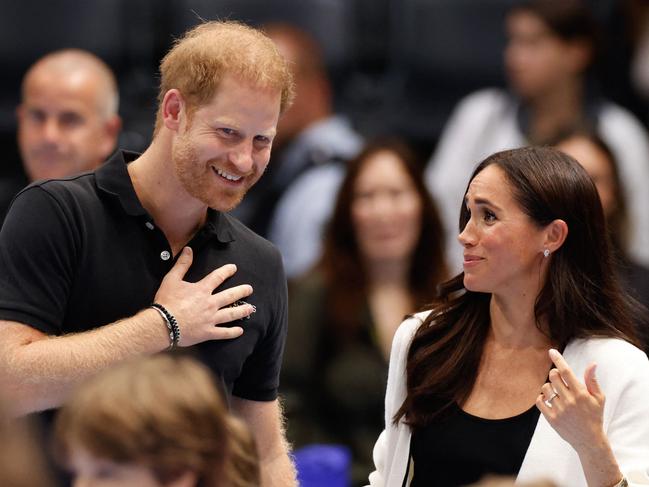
173 109
112 127
555 235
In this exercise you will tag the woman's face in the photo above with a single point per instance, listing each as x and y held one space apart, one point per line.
386 209
503 247
598 166
536 60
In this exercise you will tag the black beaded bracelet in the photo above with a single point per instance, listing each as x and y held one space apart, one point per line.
172 324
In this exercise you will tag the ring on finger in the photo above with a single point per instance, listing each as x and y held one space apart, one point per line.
548 402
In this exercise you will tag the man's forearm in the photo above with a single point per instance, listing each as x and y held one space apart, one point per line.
39 374
278 471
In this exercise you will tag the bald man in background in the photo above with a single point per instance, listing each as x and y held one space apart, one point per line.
67 120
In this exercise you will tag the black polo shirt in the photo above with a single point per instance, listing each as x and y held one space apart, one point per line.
82 252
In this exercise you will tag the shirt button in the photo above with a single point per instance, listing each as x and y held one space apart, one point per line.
165 255
149 225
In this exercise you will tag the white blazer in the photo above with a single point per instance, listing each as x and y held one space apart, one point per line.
623 375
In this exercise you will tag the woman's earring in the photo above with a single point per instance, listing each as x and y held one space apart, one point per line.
546 253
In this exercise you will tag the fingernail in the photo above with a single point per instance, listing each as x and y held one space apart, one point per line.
554 353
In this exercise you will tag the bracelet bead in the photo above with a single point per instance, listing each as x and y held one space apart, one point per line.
172 325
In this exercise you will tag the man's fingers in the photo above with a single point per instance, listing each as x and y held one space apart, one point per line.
225 333
233 313
215 278
231 295
182 265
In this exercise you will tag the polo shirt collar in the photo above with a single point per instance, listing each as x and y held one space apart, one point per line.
113 178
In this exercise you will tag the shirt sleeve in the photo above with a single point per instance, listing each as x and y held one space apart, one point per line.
259 378
37 255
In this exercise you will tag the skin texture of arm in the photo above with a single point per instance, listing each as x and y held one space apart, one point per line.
40 371
265 421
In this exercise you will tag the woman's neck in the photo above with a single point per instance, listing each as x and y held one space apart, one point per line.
555 110
514 325
388 273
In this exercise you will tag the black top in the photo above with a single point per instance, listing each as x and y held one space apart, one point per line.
459 449
82 252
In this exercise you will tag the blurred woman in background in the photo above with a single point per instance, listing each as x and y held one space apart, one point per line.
156 422
600 164
383 258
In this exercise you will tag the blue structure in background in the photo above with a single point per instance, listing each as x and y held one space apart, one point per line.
323 466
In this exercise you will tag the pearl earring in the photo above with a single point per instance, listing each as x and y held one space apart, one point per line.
546 253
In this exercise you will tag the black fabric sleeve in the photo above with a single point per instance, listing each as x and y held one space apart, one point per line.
37 254
259 378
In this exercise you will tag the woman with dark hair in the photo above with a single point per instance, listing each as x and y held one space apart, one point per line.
552 46
383 258
155 422
499 376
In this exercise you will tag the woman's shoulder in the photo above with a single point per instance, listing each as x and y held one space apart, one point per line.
610 346
407 329
608 353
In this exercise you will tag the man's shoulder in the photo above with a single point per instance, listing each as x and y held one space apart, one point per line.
78 186
243 234
74 192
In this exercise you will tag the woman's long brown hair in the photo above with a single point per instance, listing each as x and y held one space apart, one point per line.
581 297
342 264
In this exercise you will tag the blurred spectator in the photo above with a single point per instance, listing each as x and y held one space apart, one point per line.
551 49
308 134
67 119
158 421
598 160
383 259
640 64
21 459
301 215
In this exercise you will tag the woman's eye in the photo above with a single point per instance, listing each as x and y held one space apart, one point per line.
489 216
225 131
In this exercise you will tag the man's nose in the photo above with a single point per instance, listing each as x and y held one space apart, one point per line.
241 156
51 130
